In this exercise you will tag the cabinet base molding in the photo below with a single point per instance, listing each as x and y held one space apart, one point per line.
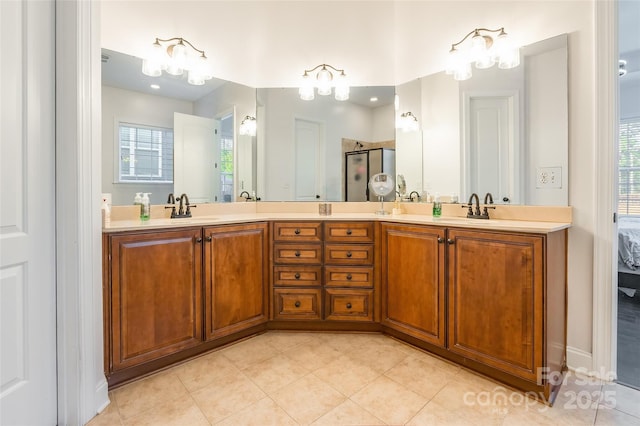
328 326
545 393
122 377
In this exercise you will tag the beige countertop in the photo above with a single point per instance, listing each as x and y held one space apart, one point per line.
223 218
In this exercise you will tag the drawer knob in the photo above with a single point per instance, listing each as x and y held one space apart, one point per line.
348 231
450 241
297 275
349 254
440 240
198 240
297 253
348 305
209 238
297 304
349 277
297 231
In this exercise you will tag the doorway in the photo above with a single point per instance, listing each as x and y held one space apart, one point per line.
628 192
309 160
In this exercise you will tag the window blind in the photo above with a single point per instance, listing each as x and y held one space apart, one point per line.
146 154
629 167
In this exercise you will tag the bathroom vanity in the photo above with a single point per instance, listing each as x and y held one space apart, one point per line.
489 295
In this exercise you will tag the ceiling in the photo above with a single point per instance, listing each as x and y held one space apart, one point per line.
265 43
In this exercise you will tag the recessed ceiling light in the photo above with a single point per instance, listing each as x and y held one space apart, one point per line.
373 99
154 86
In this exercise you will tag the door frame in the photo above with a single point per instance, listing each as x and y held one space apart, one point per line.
605 128
516 141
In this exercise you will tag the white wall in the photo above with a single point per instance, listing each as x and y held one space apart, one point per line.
629 96
340 120
138 108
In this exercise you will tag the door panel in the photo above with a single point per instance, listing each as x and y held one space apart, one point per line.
27 215
495 299
413 281
309 147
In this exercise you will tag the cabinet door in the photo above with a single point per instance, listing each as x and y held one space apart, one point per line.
495 299
413 294
156 295
236 262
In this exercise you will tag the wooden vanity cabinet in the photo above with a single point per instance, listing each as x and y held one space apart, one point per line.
506 294
155 295
349 271
413 281
236 271
297 271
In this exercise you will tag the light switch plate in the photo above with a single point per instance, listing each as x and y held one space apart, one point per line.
549 177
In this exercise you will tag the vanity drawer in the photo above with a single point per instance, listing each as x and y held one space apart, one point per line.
299 303
348 276
297 275
298 253
348 254
356 232
297 231
349 305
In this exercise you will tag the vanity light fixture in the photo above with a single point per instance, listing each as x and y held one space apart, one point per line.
408 122
248 126
485 50
324 81
175 56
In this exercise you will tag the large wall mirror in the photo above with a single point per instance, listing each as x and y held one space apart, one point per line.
502 131
174 138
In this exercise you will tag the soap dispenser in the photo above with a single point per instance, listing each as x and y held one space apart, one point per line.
437 206
145 206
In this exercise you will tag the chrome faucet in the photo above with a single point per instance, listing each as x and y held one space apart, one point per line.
417 196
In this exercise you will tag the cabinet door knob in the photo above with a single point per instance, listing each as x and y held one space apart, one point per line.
297 275
198 240
297 231
297 253
349 232
209 238
450 241
349 277
349 254
440 240
348 305
297 304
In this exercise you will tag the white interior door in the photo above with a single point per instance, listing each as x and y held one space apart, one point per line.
309 150
196 147
490 147
27 216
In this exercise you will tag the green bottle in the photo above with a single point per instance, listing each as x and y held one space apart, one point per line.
437 206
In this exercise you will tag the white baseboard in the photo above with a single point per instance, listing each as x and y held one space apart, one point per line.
577 359
102 396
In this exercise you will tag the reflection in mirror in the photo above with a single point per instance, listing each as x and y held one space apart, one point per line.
302 145
502 131
176 111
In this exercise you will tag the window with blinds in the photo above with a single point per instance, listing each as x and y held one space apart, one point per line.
146 154
629 167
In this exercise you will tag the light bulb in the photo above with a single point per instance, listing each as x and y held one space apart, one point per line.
342 88
155 61
178 59
478 46
324 78
306 88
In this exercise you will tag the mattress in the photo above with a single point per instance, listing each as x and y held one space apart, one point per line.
629 242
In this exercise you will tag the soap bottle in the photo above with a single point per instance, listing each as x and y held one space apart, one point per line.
106 213
137 200
145 206
437 205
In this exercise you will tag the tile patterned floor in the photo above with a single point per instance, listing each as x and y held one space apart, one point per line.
281 378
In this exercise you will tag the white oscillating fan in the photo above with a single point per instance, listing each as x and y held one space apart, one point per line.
381 184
